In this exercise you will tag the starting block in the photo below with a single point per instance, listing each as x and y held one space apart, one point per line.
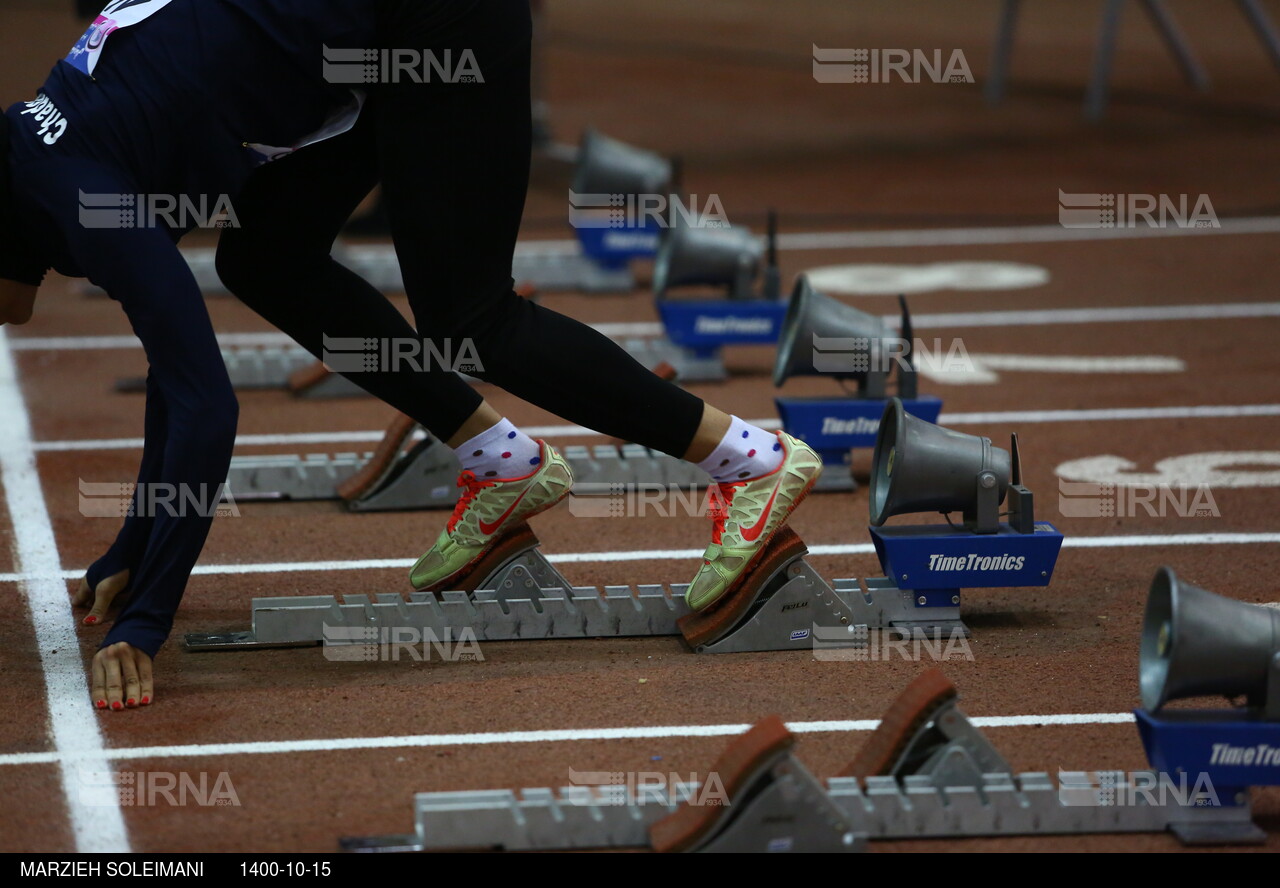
406 471
411 470
250 368
782 604
515 593
925 773
557 266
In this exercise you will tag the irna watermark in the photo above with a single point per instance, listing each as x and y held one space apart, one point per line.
151 789
627 787
400 65
862 643
1121 789
1087 499
862 354
399 354
368 644
645 211
890 66
116 499
176 212
1134 210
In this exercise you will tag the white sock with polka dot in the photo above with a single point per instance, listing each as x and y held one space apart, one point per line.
746 451
502 452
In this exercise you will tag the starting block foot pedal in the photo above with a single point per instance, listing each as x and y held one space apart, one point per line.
513 568
924 733
773 804
403 474
315 380
778 605
704 628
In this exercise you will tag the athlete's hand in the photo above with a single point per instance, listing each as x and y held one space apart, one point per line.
106 593
16 302
122 677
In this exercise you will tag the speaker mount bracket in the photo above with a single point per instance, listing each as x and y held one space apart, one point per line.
706 325
932 556
1022 515
1215 756
984 517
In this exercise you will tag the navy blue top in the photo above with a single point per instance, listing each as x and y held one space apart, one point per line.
171 107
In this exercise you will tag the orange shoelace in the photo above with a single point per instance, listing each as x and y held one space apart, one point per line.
719 499
473 486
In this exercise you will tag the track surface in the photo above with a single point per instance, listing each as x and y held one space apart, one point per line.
737 100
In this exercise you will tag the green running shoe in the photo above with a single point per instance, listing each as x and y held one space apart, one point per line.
746 514
485 510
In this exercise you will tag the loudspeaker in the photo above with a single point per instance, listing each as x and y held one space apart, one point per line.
822 336
922 467
727 257
1196 644
608 166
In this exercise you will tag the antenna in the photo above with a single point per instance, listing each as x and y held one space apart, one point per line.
908 378
772 279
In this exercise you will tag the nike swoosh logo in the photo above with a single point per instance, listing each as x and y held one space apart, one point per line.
488 529
751 534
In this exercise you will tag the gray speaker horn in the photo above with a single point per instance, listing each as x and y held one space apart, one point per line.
922 467
1198 644
718 257
608 166
822 336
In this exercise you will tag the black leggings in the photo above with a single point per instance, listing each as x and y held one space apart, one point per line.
453 159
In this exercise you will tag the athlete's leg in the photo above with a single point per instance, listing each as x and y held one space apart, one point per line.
278 263
455 161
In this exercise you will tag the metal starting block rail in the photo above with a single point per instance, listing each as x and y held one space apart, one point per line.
260 368
295 370
560 266
515 593
925 773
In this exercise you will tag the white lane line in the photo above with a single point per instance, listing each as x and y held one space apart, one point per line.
270 747
1015 234
1012 318
1112 414
1083 363
980 368
1099 315
1105 414
96 820
818 550
269 340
